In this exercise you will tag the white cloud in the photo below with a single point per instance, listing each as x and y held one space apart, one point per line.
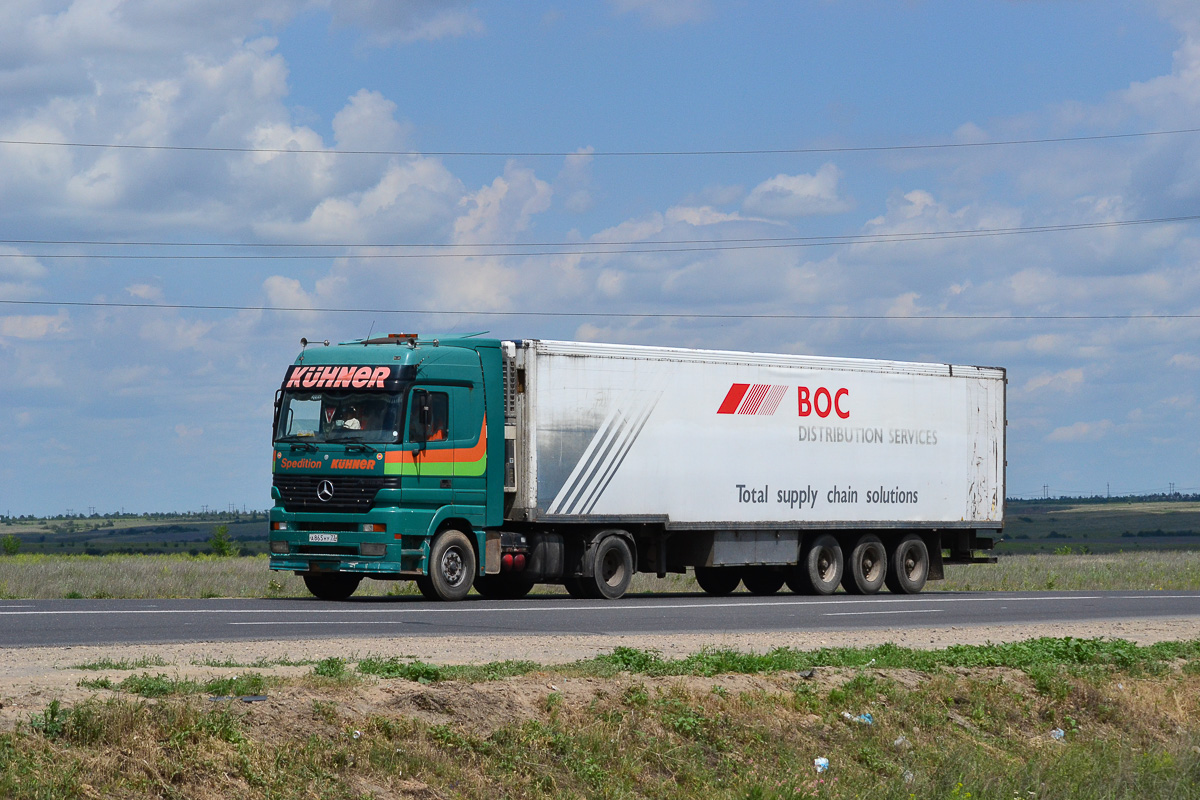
178 334
35 326
1066 381
186 432
20 274
284 292
401 21
574 181
1081 432
505 206
698 216
665 13
144 291
798 195
1185 361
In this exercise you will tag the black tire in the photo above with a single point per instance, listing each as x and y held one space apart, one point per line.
762 581
612 569
908 567
718 581
866 566
820 568
335 586
503 587
452 565
425 586
577 588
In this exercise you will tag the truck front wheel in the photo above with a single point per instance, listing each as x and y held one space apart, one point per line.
334 586
866 566
452 566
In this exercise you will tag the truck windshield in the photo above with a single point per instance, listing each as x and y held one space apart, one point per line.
339 416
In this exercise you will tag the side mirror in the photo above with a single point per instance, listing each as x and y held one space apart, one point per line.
275 419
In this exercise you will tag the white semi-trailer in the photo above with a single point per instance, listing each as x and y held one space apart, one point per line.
504 464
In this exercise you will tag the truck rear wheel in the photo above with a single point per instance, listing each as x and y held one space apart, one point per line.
612 570
820 569
762 581
334 586
452 566
718 581
866 566
908 567
503 587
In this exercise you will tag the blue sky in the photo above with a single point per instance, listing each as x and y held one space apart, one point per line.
168 408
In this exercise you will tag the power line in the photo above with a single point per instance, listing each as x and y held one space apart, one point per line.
568 248
606 314
606 153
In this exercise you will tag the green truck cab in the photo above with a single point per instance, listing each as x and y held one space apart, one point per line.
383 450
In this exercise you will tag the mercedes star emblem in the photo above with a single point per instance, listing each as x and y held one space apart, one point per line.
325 491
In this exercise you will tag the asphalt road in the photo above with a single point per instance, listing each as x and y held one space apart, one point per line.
38 623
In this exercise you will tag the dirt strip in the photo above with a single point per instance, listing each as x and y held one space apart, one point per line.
31 677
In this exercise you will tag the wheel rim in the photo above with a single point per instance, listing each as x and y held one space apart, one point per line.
871 564
825 564
914 567
452 566
612 568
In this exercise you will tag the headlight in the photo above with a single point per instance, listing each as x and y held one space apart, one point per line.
279 547
373 549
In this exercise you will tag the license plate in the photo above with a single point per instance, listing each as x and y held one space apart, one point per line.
324 538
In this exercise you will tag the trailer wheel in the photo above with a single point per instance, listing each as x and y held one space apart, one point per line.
908 567
762 581
820 570
866 566
612 569
335 586
718 581
503 587
451 566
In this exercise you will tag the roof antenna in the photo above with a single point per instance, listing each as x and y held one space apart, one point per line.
369 332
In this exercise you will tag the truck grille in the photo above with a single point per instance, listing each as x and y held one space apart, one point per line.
350 495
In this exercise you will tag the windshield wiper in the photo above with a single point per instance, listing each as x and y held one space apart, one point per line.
358 445
309 446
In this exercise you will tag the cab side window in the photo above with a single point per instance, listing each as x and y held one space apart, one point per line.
429 417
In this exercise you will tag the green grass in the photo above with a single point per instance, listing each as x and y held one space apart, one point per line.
161 685
633 724
148 577
1045 527
110 664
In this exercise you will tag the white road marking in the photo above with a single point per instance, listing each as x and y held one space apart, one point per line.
876 613
525 606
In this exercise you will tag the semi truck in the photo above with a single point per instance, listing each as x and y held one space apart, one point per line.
467 461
